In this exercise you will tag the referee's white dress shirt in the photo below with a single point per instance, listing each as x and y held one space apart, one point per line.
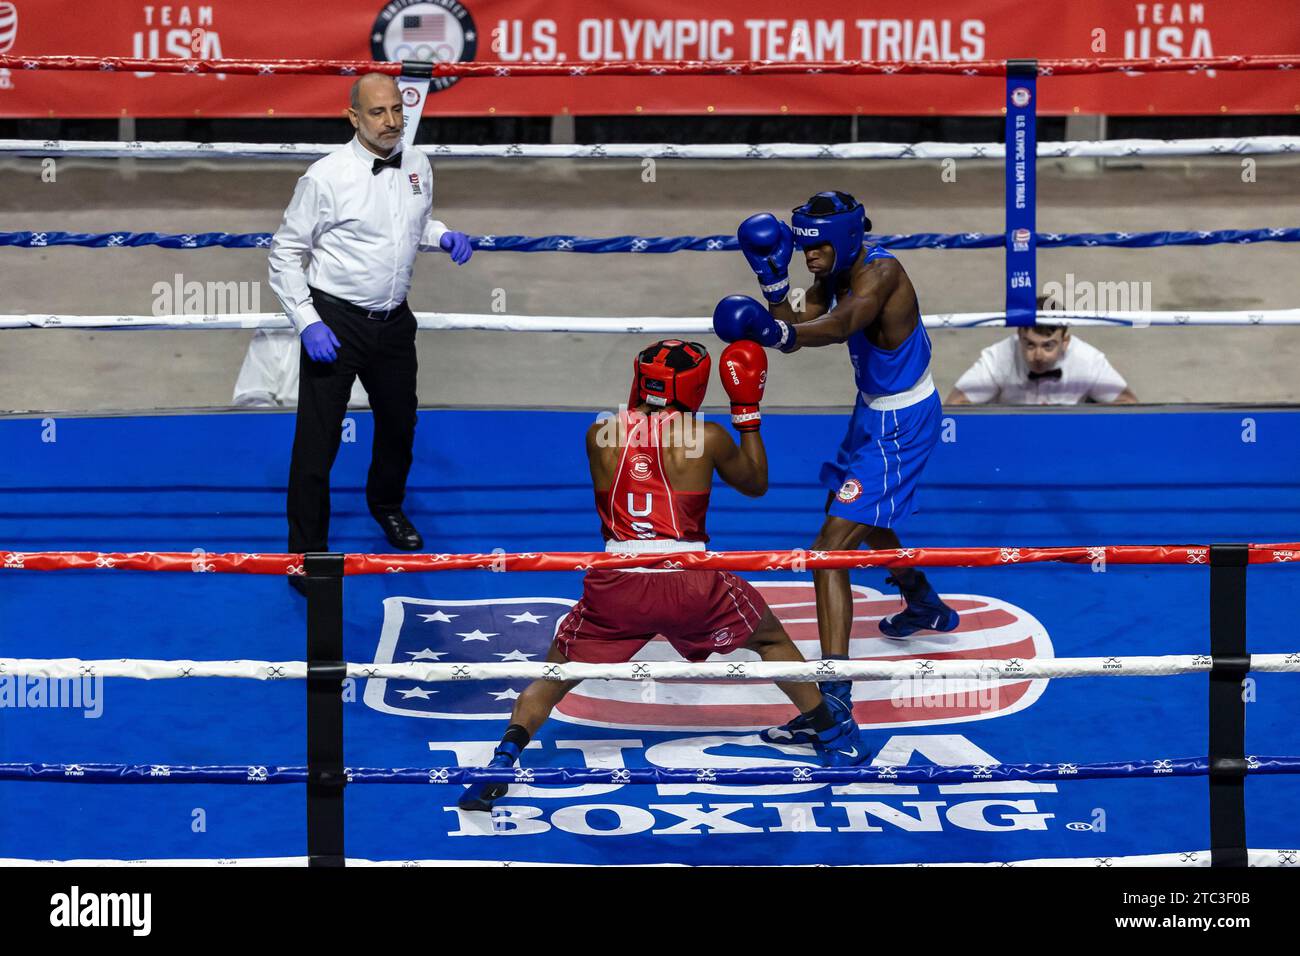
353 233
1001 375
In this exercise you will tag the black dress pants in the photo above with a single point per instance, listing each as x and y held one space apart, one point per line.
382 353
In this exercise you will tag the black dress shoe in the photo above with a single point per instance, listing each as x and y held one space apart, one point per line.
401 534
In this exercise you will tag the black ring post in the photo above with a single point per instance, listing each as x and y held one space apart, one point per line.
325 672
1231 663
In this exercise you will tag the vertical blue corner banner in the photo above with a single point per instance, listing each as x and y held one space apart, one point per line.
1021 189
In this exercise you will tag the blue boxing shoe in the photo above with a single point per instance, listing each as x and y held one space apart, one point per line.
481 796
841 745
800 730
924 611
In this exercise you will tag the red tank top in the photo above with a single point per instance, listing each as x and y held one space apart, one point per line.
640 505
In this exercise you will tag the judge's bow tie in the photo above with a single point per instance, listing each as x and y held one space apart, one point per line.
392 162
1053 373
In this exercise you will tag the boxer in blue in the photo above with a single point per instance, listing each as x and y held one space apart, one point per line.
862 298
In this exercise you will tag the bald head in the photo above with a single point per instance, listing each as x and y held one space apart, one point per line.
376 112
373 86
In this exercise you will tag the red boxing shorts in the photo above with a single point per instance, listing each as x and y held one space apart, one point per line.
700 612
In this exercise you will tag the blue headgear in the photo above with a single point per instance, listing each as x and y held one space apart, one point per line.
832 217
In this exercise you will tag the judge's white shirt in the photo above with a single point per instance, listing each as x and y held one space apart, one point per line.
1000 375
353 233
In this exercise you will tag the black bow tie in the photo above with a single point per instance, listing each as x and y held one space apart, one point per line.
392 162
1053 373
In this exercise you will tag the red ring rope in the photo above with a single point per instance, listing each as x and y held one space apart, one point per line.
796 560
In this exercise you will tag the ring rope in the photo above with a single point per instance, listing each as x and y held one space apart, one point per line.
1047 149
638 325
569 776
731 671
798 560
1075 66
663 245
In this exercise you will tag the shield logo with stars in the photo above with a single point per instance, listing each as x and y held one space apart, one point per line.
461 632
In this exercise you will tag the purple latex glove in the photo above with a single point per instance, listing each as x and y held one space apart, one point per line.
456 245
320 342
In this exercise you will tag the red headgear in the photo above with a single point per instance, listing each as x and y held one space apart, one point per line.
671 371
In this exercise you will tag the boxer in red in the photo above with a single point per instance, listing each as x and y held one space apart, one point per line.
652 475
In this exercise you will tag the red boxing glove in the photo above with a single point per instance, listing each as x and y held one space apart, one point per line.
744 375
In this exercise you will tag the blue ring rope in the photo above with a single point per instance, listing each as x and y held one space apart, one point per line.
154 773
662 244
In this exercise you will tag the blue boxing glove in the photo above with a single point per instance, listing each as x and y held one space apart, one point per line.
456 245
739 317
768 244
320 342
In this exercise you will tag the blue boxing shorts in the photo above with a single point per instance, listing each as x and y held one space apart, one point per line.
878 466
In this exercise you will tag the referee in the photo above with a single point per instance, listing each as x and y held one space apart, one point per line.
341 266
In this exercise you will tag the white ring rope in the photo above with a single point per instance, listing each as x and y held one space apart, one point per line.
658 325
747 671
1187 858
1051 149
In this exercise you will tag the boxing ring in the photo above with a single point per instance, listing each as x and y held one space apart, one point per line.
160 665
202 481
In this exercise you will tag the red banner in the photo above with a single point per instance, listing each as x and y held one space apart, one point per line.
563 31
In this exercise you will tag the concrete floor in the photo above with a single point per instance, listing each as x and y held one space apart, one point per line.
58 370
